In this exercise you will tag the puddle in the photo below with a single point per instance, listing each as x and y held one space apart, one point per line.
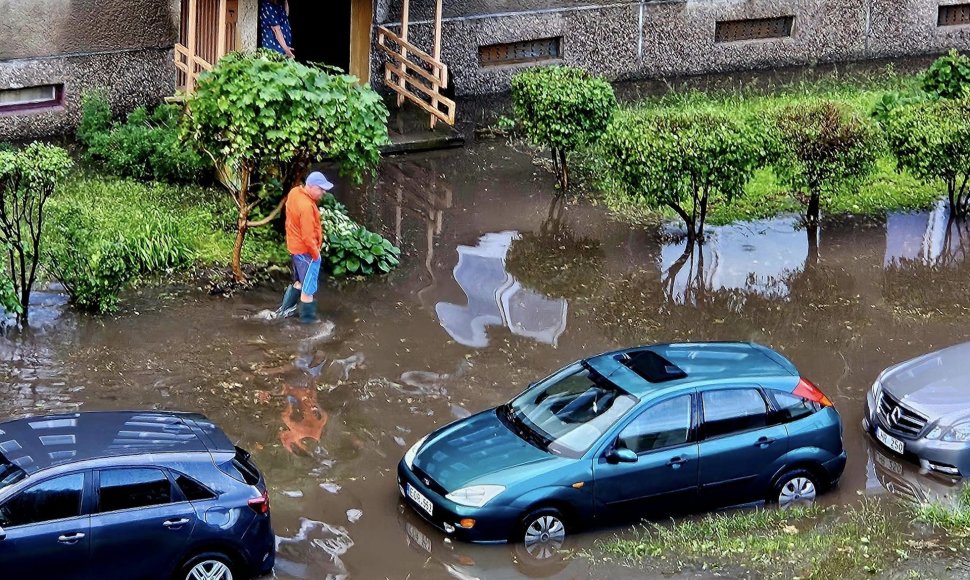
500 284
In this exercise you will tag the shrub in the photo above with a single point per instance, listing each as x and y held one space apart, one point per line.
823 145
562 108
351 249
264 118
949 76
9 303
28 178
931 140
146 146
685 160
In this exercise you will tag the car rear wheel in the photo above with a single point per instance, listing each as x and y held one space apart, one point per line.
543 533
798 487
209 566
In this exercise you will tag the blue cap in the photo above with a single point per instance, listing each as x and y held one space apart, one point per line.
318 179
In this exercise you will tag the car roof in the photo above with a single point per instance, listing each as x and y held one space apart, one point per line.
663 366
37 443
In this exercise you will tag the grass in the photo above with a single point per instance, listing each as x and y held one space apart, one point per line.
798 543
951 518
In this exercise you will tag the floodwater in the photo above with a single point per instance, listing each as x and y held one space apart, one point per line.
501 283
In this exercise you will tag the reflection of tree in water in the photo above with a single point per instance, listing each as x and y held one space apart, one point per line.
303 418
553 261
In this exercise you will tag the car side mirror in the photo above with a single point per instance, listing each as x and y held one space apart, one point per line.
621 456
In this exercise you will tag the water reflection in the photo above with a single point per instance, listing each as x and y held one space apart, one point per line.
303 418
314 551
496 298
905 481
926 237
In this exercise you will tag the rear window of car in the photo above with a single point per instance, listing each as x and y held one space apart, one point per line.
9 473
733 411
244 466
791 407
192 489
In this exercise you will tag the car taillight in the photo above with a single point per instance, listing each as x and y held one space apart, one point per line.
260 504
807 390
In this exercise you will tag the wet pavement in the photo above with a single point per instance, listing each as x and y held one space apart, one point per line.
501 283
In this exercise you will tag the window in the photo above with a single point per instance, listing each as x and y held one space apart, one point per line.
25 99
54 499
753 29
539 50
192 489
954 15
651 366
123 489
791 407
664 425
731 411
9 473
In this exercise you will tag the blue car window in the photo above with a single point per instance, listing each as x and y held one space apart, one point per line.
571 411
54 499
123 489
733 410
663 425
792 407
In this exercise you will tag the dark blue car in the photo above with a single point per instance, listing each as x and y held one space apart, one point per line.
130 495
627 434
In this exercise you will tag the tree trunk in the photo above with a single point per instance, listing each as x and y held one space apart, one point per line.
242 224
703 218
812 216
811 230
563 171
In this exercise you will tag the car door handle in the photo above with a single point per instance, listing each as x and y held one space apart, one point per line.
676 462
70 538
171 524
764 442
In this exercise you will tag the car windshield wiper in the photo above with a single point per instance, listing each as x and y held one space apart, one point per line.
524 431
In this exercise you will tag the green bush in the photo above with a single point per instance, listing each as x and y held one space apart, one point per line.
949 76
931 140
562 108
686 160
146 146
9 302
351 249
824 145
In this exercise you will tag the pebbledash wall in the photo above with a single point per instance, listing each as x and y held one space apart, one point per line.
659 38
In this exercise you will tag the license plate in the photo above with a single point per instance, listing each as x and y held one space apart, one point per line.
888 464
418 498
889 441
419 538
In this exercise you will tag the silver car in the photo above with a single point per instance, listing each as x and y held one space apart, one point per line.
920 409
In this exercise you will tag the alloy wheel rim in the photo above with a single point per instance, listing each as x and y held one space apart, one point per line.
544 537
209 570
797 491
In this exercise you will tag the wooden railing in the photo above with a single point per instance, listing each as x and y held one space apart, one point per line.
416 76
207 33
190 66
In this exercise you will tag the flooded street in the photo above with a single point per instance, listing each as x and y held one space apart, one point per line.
500 284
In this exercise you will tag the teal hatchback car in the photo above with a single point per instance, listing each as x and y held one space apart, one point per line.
624 435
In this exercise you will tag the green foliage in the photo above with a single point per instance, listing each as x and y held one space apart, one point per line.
890 101
562 108
28 178
146 146
685 160
353 250
824 145
9 302
931 140
949 76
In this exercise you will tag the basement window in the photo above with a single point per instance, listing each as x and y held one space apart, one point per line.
753 29
954 15
31 98
539 50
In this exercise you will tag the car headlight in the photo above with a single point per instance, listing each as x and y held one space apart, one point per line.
959 432
935 433
475 495
413 451
874 389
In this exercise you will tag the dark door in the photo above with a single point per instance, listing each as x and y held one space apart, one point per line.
136 510
321 31
738 446
46 535
664 477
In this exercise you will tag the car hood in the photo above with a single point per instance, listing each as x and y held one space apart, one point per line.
935 384
478 450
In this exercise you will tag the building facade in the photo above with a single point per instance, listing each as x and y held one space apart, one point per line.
51 51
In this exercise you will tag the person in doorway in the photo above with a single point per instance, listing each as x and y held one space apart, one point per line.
274 26
304 239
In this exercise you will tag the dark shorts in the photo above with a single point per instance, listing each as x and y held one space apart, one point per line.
306 271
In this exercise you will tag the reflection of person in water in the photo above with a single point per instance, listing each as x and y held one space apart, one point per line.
303 418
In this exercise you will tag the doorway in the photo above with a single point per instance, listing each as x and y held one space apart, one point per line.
336 33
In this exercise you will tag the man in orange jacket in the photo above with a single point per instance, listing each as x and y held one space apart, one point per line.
304 239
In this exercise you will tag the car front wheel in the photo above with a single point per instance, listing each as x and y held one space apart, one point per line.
210 566
543 533
798 487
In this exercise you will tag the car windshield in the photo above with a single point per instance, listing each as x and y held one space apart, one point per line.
9 473
568 412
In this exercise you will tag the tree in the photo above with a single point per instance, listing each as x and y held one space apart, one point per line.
562 108
28 178
823 145
264 118
931 140
682 159
948 77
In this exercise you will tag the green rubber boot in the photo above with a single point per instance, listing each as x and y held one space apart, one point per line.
308 312
290 298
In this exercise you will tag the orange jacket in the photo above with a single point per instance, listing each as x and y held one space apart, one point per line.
304 234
